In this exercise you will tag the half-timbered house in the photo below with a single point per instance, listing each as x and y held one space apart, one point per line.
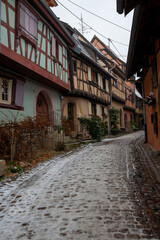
90 83
33 58
129 106
123 93
144 59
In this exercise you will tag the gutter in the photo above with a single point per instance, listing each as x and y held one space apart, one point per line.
133 38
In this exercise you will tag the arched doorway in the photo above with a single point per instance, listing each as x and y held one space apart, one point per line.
125 121
42 106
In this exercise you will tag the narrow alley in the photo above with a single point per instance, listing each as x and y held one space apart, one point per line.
92 193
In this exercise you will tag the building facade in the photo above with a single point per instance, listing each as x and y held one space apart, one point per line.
33 59
123 92
90 84
144 59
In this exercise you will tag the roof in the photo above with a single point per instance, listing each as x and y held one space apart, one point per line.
80 49
112 54
108 50
126 5
145 30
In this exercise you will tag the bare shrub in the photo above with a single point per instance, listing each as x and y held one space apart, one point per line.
18 137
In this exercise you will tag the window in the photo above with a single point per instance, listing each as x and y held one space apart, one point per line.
94 109
115 83
104 83
28 22
123 87
5 90
99 80
11 91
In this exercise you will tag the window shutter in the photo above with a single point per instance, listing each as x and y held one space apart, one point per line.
89 108
107 88
33 25
27 20
99 80
53 47
98 110
10 91
89 74
19 93
22 15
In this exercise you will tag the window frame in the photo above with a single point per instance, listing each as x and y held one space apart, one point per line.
75 66
13 78
9 101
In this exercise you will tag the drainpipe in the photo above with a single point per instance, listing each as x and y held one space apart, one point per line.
110 98
144 113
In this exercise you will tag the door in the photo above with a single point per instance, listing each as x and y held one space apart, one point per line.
42 106
125 121
71 114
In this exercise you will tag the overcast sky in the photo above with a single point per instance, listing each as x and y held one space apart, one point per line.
105 9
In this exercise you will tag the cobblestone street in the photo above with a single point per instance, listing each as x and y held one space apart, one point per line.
87 194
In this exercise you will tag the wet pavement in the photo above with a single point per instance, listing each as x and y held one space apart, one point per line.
92 193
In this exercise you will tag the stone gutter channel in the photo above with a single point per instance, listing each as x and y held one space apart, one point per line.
146 183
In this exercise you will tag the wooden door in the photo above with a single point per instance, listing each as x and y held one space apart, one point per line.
125 120
71 114
42 106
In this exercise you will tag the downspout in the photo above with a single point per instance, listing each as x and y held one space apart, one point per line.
120 6
110 98
144 113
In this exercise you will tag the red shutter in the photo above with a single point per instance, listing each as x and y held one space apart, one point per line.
19 93
53 47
